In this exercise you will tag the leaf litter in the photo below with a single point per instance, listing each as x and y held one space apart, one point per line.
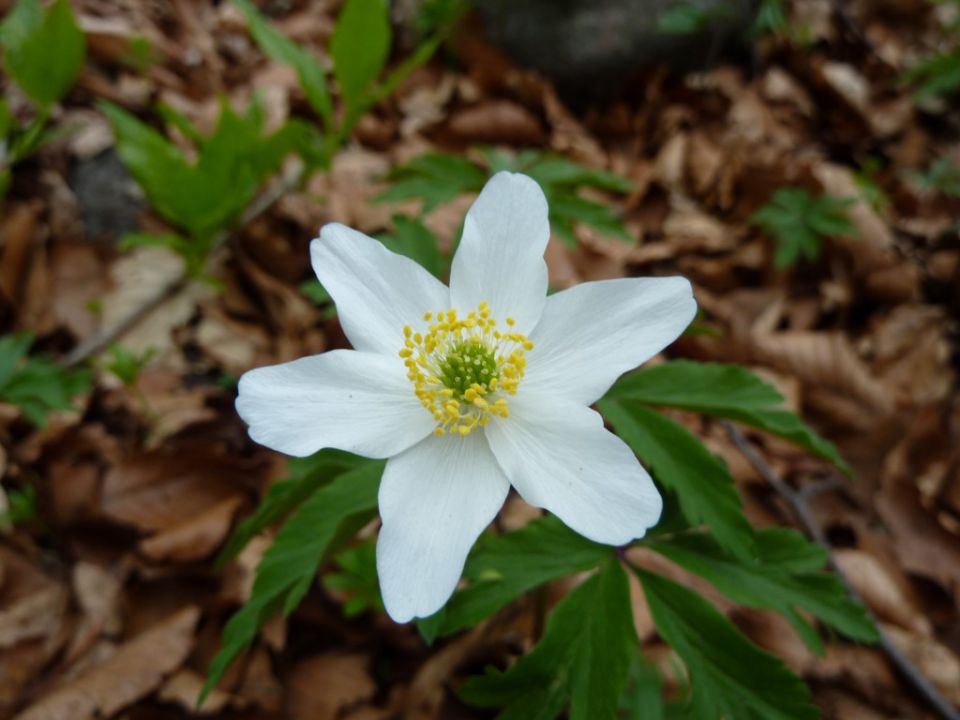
109 604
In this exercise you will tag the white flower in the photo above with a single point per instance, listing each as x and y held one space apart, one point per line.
471 389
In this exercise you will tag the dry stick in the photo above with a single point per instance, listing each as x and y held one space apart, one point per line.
801 508
100 340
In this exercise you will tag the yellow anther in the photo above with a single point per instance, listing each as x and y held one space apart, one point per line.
462 368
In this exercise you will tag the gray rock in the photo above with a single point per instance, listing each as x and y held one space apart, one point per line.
111 202
598 43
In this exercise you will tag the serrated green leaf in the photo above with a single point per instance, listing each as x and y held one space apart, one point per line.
728 391
701 481
771 584
43 50
582 659
13 349
359 47
357 577
290 565
567 208
556 171
36 384
204 197
435 178
304 477
731 677
276 45
798 221
502 567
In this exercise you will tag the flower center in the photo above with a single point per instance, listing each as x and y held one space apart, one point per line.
462 368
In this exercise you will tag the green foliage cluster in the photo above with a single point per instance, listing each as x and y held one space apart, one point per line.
36 384
203 197
204 194
126 365
938 74
438 178
689 18
43 52
21 506
942 176
798 221
587 661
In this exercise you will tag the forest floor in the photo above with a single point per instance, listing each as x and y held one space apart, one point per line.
109 602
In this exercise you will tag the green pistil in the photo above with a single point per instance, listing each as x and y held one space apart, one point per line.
468 363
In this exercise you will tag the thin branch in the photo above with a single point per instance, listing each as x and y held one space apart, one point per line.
105 336
798 502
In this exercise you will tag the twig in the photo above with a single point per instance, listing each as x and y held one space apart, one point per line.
104 337
801 509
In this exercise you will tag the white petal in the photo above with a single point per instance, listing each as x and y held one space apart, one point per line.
559 457
592 333
358 402
377 291
500 258
435 499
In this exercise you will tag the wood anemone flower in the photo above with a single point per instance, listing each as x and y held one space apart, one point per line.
471 389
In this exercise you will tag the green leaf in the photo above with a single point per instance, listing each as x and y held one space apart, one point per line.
774 581
798 221
582 659
207 196
414 239
277 46
305 476
701 481
731 677
290 565
21 506
503 567
942 176
359 47
682 19
726 391
936 75
35 384
771 18
436 178
557 171
127 365
357 577
43 51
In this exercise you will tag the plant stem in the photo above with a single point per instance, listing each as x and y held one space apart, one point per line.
798 501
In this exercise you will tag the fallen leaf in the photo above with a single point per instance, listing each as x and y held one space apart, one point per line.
324 686
137 669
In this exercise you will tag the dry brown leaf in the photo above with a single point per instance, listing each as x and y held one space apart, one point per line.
99 593
879 590
195 538
183 688
427 691
137 669
495 121
934 660
324 686
161 490
33 616
18 235
138 276
825 361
